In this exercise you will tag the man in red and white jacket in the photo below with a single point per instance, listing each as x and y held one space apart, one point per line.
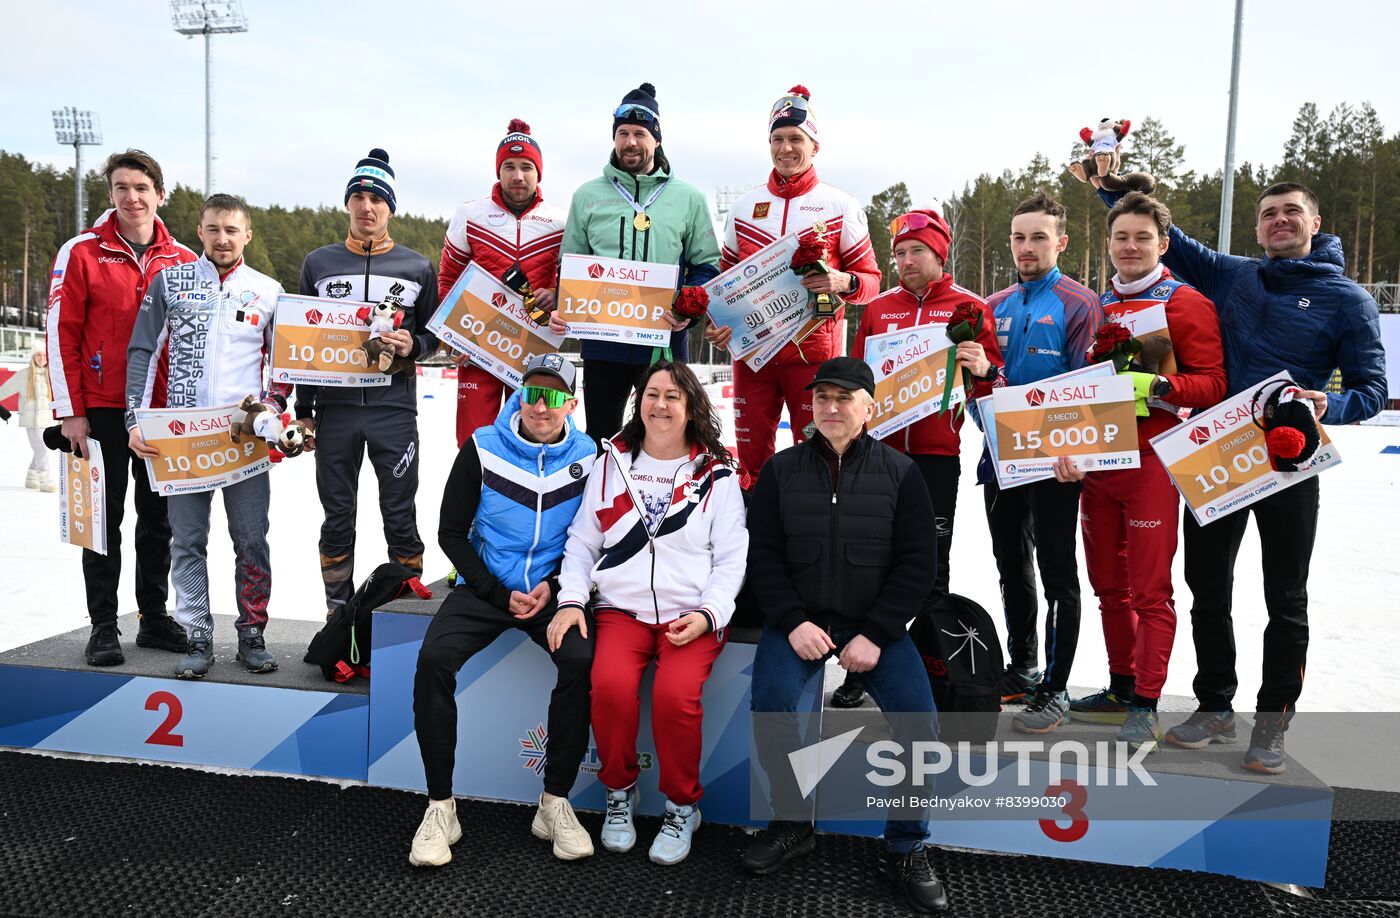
926 295
99 279
512 227
793 200
1129 516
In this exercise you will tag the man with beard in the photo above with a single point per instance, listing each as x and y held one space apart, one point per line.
512 232
636 210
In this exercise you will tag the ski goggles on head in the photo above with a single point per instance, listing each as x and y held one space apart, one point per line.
908 223
634 112
553 398
788 109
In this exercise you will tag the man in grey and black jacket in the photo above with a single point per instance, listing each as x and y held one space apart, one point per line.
382 420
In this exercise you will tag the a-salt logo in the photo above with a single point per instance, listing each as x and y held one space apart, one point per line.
314 316
595 270
1199 435
887 367
177 427
498 300
1035 398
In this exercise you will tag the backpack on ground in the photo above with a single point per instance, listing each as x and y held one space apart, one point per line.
958 642
342 647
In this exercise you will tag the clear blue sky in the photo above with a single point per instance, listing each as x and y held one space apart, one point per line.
928 93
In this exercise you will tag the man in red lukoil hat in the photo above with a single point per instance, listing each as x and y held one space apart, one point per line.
927 295
510 231
793 200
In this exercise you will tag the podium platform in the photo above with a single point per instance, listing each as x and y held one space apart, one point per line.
1205 813
290 721
502 697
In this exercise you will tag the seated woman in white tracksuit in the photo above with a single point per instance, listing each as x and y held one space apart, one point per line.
661 534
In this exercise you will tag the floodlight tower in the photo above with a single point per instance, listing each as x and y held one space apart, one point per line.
79 128
208 18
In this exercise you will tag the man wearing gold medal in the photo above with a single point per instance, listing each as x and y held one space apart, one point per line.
794 200
636 210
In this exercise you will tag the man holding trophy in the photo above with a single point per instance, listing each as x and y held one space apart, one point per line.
835 259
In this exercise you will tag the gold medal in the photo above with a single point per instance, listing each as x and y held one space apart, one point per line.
642 222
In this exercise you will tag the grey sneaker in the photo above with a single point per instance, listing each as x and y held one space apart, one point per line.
619 834
252 652
1142 728
1044 713
1018 684
198 657
1265 753
1203 728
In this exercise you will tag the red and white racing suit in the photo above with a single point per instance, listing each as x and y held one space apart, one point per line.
1129 516
485 231
757 219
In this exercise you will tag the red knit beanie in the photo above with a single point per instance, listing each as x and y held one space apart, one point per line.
934 233
519 143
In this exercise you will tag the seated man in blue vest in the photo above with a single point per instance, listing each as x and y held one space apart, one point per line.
505 513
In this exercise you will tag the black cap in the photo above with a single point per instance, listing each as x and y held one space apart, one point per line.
846 372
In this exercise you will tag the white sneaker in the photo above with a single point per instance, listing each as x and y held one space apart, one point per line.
673 841
438 831
555 821
31 480
47 483
618 832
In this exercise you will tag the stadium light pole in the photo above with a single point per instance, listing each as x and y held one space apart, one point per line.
1227 185
208 18
80 128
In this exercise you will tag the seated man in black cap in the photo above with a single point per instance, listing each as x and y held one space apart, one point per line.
840 557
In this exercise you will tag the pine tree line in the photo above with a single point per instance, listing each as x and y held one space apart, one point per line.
1345 157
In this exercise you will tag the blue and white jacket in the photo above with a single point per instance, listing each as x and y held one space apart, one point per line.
1045 327
508 504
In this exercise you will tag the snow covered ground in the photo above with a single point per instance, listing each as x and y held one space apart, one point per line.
1355 582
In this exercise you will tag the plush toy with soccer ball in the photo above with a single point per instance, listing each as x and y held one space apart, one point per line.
284 436
1100 166
384 316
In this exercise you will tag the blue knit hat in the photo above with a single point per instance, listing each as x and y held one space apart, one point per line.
373 173
639 107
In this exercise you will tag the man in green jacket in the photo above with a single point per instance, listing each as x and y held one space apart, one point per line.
636 210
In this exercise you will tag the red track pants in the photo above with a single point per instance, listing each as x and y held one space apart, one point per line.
624 648
1129 522
478 400
758 405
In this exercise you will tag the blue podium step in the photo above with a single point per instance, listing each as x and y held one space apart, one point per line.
290 721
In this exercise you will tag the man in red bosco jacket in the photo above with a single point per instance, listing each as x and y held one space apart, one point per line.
99 279
793 200
1129 515
928 296
511 229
